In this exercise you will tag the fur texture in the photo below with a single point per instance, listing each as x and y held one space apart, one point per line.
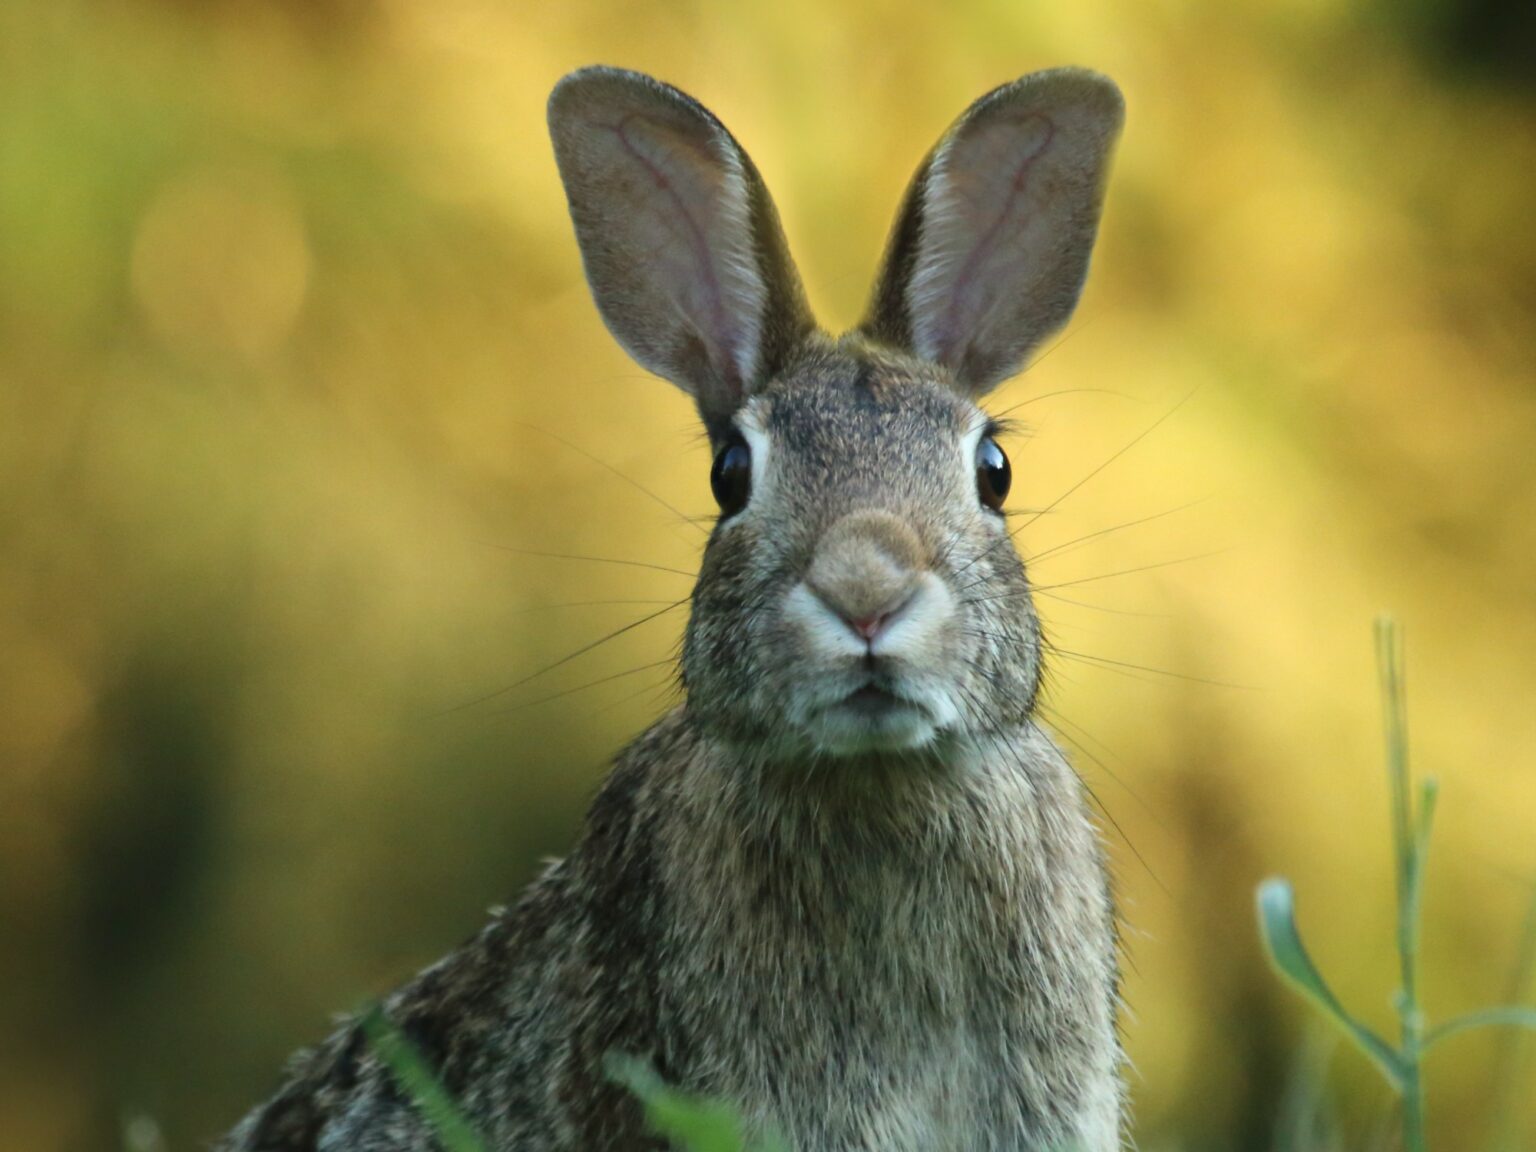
850 885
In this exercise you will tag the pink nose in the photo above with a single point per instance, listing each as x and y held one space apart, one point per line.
867 566
868 627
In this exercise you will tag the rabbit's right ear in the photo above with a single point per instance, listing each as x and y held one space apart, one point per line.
991 246
680 241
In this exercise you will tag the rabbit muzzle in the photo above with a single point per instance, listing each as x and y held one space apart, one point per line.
875 624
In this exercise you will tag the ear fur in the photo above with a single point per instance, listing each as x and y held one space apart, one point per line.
991 245
680 241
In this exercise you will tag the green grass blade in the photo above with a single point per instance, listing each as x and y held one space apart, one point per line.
1509 1084
1305 1120
1507 1016
1429 793
1410 842
692 1123
417 1080
1389 664
1411 909
1282 943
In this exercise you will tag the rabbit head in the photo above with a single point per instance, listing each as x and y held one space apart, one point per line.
860 592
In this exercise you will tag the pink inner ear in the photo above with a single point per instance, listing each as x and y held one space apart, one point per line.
979 212
692 203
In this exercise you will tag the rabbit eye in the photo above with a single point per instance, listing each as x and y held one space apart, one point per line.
731 477
993 474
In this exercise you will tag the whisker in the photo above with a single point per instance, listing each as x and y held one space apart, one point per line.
580 604
1075 626
979 581
668 682
566 659
1033 516
600 462
1068 545
1064 392
1113 665
1126 840
1059 719
582 687
1119 830
1099 607
1060 340
1121 452
1128 571
591 559
961 594
1057 549
1129 674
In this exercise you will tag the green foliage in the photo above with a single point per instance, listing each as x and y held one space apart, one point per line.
692 1123
1412 814
418 1082
689 1123
696 1124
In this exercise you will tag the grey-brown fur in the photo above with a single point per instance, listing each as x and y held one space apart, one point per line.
849 885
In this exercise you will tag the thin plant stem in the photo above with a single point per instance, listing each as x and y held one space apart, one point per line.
1410 838
1522 983
1413 814
420 1083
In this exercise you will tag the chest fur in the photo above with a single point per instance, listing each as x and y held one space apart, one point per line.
936 971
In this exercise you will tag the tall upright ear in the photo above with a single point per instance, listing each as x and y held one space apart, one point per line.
991 246
680 241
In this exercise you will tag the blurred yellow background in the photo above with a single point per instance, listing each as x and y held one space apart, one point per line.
297 371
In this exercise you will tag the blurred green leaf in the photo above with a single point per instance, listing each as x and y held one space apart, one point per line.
1507 1016
694 1124
1282 943
419 1083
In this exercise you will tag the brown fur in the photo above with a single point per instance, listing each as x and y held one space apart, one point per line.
850 885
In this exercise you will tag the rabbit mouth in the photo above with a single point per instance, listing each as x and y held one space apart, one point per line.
873 717
873 700
852 692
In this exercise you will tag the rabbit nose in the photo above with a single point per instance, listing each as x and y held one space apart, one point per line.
869 626
867 566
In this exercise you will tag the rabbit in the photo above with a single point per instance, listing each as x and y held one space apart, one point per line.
850 886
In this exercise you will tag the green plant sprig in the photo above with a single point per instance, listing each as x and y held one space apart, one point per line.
690 1123
416 1078
1412 818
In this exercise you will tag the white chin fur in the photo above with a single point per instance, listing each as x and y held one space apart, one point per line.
844 731
911 656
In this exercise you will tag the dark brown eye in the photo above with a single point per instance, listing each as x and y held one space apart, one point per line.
731 477
993 475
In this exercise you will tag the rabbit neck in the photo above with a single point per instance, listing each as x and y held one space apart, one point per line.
905 933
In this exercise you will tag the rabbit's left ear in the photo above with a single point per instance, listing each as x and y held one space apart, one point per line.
991 246
681 243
